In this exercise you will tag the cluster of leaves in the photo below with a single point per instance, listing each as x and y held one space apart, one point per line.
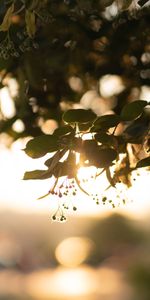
28 13
56 40
101 150
35 13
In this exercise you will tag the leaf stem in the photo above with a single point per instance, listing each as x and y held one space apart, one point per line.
80 187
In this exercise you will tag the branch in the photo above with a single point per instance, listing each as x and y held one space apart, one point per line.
19 10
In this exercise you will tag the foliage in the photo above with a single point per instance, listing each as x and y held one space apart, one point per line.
102 150
45 44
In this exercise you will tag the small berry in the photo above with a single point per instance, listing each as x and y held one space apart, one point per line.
74 208
104 199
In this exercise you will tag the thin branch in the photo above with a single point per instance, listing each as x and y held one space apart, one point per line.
80 187
19 10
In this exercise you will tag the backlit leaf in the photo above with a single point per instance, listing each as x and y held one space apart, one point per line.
142 2
36 174
107 121
41 145
30 23
90 147
124 4
64 130
133 110
102 158
77 144
106 3
79 116
7 19
85 126
143 163
52 162
104 138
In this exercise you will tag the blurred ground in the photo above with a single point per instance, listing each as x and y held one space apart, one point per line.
85 258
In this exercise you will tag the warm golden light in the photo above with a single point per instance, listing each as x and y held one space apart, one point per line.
73 251
21 195
63 283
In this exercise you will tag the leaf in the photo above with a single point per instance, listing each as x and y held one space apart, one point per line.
53 161
63 169
142 2
135 133
79 116
7 19
106 3
107 121
90 147
64 130
124 4
143 163
77 144
88 150
36 5
30 23
104 138
68 167
133 110
36 174
102 158
41 145
85 126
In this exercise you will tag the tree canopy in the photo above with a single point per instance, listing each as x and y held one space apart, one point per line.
66 56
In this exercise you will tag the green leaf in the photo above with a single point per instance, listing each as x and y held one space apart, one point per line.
124 4
142 2
34 4
79 116
85 126
30 23
133 110
143 163
104 138
90 147
36 174
107 121
53 161
106 3
7 19
77 144
41 145
102 158
64 130
64 169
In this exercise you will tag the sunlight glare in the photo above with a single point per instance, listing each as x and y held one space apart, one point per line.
7 104
63 283
21 195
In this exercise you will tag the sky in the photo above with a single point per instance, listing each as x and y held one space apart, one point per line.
21 196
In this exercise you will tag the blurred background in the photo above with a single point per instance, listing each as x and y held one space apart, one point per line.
98 253
87 55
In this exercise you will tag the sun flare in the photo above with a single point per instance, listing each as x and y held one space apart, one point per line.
21 195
